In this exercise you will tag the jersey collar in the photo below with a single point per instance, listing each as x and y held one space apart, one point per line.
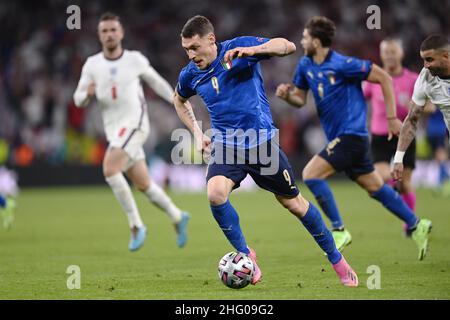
327 58
115 59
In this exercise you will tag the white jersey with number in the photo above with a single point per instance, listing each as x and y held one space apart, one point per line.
434 89
118 89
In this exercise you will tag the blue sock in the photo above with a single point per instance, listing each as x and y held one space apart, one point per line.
443 174
392 201
2 201
313 222
325 198
228 221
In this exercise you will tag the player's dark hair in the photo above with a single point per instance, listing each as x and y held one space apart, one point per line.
322 28
109 16
435 41
197 25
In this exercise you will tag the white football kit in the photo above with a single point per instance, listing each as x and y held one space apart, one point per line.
121 97
434 89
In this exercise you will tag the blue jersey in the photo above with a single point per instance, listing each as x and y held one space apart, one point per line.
234 95
336 86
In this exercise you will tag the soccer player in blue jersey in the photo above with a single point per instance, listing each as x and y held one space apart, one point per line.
335 81
227 76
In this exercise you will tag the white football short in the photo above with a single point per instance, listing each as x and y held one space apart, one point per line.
131 141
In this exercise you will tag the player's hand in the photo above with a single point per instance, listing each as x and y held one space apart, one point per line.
203 143
91 90
395 125
283 91
239 52
397 171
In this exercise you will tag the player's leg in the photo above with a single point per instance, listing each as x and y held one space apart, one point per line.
114 163
332 159
221 180
441 155
383 170
310 217
382 150
7 206
377 189
281 182
375 186
406 189
218 189
138 174
314 175
408 194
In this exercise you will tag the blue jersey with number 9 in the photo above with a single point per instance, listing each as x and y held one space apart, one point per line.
233 93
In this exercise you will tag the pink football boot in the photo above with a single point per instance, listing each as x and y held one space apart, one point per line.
345 273
257 275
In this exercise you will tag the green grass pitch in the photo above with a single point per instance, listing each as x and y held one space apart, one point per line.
59 227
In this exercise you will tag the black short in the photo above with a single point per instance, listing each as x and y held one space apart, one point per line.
272 173
383 151
349 153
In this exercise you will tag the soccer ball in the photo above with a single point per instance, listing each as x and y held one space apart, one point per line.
236 270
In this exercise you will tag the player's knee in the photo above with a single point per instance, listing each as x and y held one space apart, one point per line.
373 188
297 206
307 174
142 186
217 197
371 182
109 171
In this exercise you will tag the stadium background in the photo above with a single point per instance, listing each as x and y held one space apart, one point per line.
42 133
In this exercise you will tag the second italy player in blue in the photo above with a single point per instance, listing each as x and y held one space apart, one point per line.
335 81
227 76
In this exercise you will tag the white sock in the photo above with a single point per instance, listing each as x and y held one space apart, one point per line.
122 191
157 195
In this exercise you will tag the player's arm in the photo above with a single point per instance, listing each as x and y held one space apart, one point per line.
187 116
279 47
291 94
85 90
158 83
378 75
407 134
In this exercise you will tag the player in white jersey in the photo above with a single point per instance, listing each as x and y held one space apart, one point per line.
433 85
114 77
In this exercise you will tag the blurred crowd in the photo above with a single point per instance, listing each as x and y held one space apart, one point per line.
41 61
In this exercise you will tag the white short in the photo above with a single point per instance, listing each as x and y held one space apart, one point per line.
131 141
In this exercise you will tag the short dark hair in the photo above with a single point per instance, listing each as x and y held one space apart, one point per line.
322 28
109 16
197 25
435 41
